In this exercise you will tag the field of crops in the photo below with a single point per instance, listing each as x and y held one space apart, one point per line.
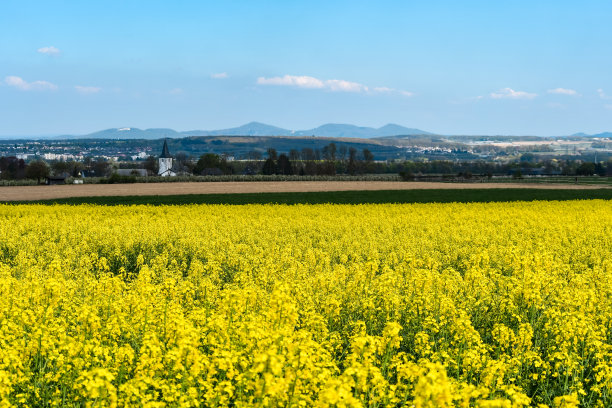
428 305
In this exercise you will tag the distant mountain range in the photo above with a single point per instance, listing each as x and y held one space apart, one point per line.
604 135
259 129
333 130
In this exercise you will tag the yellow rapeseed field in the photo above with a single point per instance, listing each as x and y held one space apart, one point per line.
424 305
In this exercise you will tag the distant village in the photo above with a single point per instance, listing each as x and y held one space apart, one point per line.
76 161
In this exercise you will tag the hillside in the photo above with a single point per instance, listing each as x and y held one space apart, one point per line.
254 129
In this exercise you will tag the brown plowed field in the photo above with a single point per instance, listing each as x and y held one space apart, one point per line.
28 193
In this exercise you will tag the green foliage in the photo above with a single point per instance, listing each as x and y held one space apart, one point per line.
37 170
116 178
351 197
269 167
586 169
212 164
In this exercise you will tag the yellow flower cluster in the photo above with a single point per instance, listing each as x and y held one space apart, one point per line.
423 305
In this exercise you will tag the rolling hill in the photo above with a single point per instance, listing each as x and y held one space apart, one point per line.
258 129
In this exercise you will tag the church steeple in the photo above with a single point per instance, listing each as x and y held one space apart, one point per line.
165 152
165 162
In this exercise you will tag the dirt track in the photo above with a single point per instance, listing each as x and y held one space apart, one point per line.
27 193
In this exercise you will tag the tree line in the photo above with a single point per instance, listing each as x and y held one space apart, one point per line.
329 160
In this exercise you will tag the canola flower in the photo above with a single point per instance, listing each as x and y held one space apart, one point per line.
423 305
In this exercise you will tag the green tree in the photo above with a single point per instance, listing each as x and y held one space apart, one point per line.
352 164
101 167
151 164
284 165
212 164
272 154
586 169
59 167
37 170
294 155
368 157
269 167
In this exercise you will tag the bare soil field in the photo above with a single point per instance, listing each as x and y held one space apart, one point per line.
30 193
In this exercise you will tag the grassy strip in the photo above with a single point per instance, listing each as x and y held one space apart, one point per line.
345 197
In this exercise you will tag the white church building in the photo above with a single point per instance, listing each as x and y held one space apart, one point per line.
165 162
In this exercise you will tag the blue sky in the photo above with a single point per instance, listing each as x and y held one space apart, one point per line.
469 67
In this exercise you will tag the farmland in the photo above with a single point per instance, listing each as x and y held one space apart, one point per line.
476 304
30 193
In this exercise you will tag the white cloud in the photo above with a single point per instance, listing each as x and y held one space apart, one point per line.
563 91
176 91
345 86
509 93
387 90
602 94
383 89
22 85
291 80
87 89
51 50
220 75
334 85
608 107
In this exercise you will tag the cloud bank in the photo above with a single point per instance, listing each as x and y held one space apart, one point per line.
87 89
51 50
563 91
334 85
509 93
22 85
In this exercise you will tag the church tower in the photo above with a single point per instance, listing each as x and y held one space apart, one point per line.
165 162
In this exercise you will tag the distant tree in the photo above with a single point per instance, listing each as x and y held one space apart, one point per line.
528 157
269 167
332 150
352 164
38 170
12 168
183 162
325 153
342 152
310 168
75 168
254 155
101 167
212 164
294 155
406 175
151 164
326 168
586 169
308 154
368 157
59 167
207 160
272 154
284 165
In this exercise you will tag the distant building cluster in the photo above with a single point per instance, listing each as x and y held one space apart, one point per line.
64 157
